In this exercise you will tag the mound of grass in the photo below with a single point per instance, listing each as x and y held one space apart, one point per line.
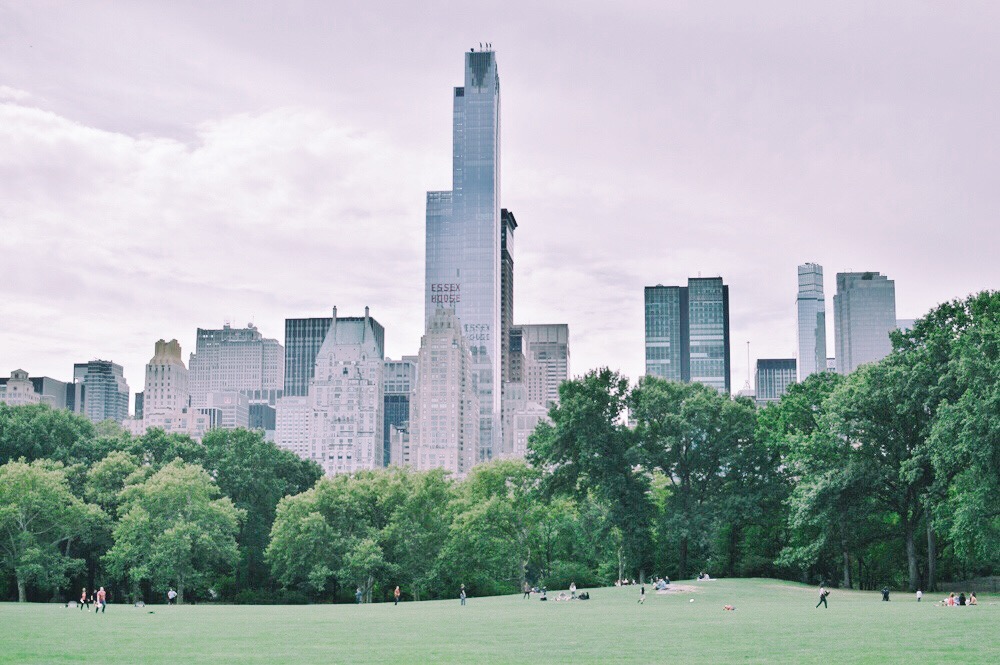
773 622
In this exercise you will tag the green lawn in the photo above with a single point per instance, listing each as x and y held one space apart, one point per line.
774 622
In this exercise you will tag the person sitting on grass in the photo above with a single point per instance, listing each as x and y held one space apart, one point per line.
972 599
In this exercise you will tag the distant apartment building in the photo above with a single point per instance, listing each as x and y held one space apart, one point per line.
166 386
106 393
545 349
338 423
811 306
239 359
55 393
864 315
687 332
773 377
399 378
444 416
521 417
18 390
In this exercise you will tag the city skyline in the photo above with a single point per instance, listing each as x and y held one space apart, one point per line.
136 207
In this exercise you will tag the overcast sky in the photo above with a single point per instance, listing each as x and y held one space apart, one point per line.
172 165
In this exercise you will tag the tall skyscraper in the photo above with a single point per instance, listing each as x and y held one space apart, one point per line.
463 267
166 380
687 332
508 224
105 389
399 379
773 377
444 420
239 359
864 315
812 321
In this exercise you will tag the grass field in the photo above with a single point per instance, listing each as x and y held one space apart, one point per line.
774 622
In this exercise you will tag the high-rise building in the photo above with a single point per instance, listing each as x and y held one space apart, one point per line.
399 379
464 231
864 315
508 223
105 389
687 332
773 377
232 406
545 348
338 422
303 339
239 359
812 321
166 380
444 416
346 397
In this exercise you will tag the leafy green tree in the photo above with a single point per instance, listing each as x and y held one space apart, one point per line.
174 529
156 448
589 450
691 434
39 518
316 531
419 528
37 431
965 439
107 478
255 474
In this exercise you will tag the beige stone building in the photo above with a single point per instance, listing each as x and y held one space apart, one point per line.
444 411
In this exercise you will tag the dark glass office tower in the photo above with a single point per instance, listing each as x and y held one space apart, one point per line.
463 267
687 332
398 378
303 339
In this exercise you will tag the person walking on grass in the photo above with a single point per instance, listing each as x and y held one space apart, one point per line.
395 595
823 593
642 594
84 599
171 597
357 596
101 601
527 590
920 594
461 594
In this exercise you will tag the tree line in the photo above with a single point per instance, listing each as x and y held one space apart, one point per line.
888 476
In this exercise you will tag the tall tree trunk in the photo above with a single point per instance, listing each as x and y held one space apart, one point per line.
931 556
683 559
911 554
22 591
180 590
846 553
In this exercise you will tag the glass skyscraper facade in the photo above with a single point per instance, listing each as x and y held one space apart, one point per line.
774 375
687 332
303 340
864 315
463 265
107 392
811 307
398 379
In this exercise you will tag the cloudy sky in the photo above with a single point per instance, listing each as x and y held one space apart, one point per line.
172 165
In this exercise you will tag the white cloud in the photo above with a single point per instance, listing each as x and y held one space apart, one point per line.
113 241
